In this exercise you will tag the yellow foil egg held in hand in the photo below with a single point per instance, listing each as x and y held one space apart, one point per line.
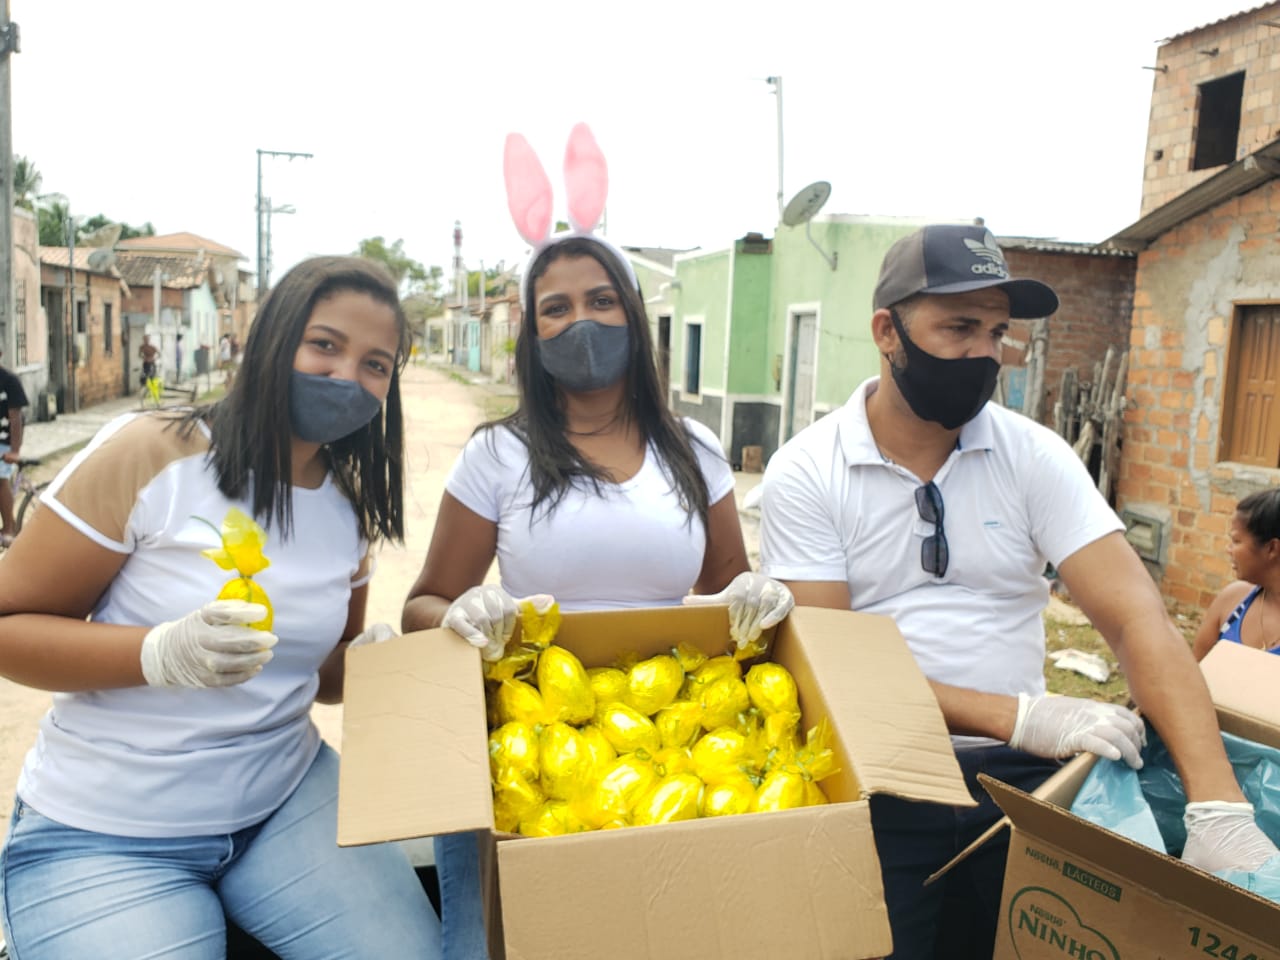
566 691
671 798
734 794
652 684
243 588
628 730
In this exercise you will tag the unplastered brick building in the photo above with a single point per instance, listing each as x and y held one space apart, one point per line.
1203 424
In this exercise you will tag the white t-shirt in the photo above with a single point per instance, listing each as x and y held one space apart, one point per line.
152 762
1015 497
630 545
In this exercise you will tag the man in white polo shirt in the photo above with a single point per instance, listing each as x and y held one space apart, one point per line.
920 500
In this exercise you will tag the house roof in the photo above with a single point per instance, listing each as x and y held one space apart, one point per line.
1214 23
179 243
176 272
1232 180
58 257
1047 245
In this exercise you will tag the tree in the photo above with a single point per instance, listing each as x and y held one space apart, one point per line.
409 274
26 183
51 221
127 232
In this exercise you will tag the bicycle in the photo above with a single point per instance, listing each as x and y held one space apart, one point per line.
26 494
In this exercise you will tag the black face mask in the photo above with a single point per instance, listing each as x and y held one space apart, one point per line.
949 392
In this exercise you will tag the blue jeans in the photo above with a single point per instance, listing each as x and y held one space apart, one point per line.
954 917
461 898
75 893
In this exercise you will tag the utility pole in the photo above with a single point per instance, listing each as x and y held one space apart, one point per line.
8 44
264 266
776 83
73 394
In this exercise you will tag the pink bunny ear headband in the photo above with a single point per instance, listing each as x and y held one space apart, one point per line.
586 178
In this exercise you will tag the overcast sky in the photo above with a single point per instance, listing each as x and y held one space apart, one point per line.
1029 113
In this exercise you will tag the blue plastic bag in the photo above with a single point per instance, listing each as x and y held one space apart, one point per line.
1146 805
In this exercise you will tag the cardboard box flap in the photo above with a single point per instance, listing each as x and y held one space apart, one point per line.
794 883
414 743
1162 875
883 706
1243 683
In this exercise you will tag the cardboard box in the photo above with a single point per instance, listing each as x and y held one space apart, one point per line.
796 884
1073 889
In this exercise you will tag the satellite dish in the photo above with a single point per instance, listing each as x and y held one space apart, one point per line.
802 208
806 203
102 259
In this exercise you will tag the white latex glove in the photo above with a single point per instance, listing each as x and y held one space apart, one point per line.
756 602
485 617
1222 835
374 633
1053 726
210 647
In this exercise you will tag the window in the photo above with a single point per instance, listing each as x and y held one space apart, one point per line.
1218 122
81 311
107 331
1252 432
20 322
692 357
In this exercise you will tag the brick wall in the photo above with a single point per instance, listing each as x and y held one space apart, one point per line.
1096 300
101 375
1243 43
1189 282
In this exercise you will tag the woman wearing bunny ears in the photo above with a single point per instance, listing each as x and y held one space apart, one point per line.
592 491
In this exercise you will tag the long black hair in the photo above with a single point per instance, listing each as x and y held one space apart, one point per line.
555 464
251 449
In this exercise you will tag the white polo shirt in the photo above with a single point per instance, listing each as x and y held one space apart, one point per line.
1015 498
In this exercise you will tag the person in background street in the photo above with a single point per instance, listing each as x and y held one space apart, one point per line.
178 779
1247 611
177 357
149 353
982 498
12 400
224 358
591 493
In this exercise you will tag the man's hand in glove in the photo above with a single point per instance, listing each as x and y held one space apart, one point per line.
1053 726
1222 835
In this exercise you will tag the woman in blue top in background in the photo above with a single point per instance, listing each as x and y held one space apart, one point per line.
1247 611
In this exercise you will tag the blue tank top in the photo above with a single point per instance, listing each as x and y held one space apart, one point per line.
1231 626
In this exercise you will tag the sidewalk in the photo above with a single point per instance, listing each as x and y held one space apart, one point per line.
70 430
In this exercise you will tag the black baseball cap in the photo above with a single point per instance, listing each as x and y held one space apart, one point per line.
956 258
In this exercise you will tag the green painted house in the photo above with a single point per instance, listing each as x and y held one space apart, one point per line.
763 336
